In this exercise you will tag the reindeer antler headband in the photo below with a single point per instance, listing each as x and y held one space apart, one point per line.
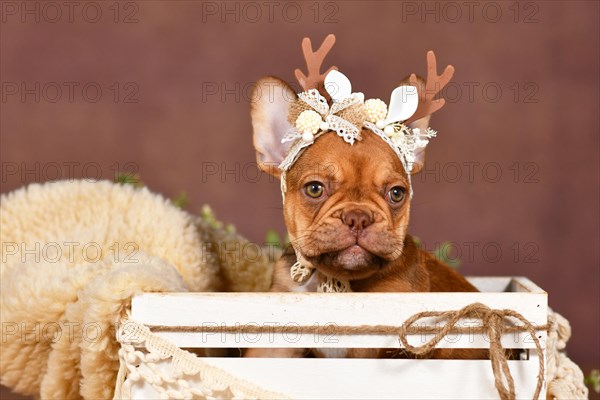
312 115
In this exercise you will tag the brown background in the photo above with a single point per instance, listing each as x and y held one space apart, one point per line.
533 109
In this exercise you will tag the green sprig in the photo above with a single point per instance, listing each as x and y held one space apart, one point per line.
181 200
128 178
593 380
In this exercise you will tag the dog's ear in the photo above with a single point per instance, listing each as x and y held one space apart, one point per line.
271 101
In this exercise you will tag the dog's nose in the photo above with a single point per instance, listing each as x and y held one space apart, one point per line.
357 219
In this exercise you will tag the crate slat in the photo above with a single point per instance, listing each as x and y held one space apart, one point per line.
323 309
369 378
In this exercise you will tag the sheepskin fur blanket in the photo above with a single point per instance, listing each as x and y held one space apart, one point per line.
73 255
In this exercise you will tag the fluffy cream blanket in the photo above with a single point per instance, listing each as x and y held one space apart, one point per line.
73 255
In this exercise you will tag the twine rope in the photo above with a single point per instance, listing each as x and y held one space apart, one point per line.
494 323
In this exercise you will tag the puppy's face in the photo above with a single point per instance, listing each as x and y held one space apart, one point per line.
347 207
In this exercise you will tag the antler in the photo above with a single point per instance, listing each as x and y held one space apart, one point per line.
314 60
434 83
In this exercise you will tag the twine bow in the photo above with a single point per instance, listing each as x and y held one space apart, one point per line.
493 325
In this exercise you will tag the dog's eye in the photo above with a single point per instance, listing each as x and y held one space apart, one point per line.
314 189
396 194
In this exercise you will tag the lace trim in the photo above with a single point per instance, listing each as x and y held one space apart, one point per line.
341 105
332 285
346 130
300 273
137 365
405 142
314 99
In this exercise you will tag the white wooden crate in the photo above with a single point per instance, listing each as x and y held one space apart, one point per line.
318 378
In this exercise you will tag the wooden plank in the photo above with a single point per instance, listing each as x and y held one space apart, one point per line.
367 378
524 285
496 284
191 309
350 309
293 340
501 284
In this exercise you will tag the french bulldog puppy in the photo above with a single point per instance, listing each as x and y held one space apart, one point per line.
346 208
